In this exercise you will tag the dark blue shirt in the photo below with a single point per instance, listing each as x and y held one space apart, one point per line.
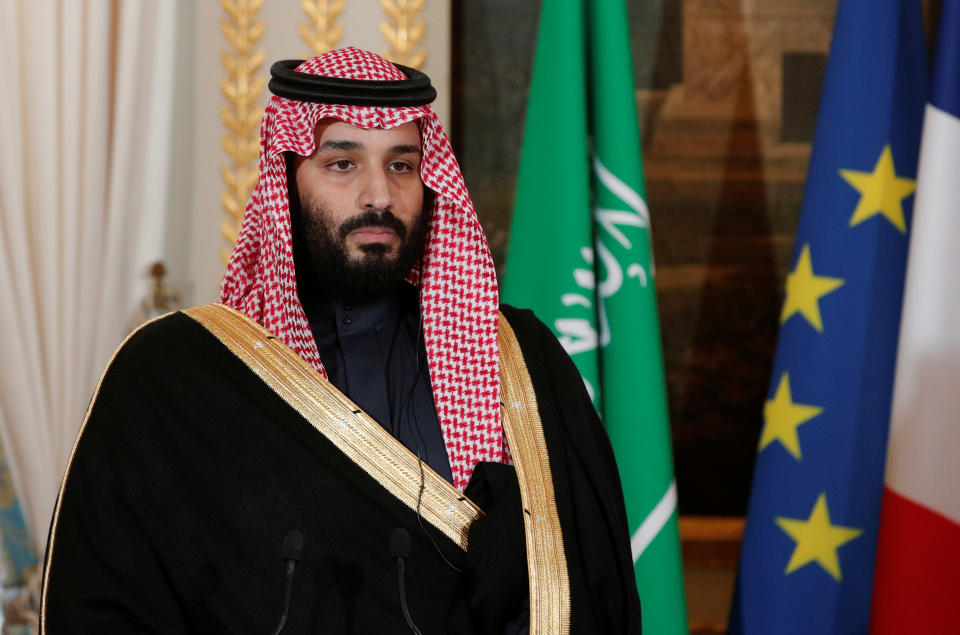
374 353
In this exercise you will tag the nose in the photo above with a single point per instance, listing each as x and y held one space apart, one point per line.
375 190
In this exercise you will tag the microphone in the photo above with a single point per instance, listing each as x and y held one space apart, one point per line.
292 550
399 550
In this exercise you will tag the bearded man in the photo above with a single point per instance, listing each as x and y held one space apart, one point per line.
357 439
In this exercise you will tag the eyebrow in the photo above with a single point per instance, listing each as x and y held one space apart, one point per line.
337 144
345 145
405 149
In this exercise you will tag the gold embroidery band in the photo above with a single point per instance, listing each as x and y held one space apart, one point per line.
351 430
546 560
397 469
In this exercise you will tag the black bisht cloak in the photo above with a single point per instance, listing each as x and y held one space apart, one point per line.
190 471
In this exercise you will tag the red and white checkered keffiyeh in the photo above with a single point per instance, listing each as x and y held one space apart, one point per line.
458 285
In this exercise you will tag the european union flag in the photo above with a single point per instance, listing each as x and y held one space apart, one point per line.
806 564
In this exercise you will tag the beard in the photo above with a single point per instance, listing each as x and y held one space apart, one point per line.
356 279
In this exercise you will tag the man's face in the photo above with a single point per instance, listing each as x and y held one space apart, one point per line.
361 201
354 172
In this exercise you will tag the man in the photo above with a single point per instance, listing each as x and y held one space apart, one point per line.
354 441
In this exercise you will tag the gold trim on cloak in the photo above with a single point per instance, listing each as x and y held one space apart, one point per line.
342 422
397 469
546 559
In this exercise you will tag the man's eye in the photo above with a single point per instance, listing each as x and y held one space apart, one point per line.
343 164
401 166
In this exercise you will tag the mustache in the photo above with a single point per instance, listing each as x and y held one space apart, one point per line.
373 218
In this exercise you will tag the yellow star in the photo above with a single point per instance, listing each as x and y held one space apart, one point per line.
804 290
782 416
817 540
881 191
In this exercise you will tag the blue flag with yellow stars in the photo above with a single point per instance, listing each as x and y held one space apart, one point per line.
806 564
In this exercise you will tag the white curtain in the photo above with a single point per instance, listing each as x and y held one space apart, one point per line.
86 90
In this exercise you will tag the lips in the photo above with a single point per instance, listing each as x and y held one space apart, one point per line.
373 234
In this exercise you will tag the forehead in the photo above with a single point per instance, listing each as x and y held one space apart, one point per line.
406 134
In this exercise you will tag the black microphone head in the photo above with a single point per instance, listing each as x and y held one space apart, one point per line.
399 543
293 545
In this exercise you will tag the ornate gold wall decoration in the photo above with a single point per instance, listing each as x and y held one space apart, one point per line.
241 116
320 33
403 32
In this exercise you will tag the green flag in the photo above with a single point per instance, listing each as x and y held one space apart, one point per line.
580 256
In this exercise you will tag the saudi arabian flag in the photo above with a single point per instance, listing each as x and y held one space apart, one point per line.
580 257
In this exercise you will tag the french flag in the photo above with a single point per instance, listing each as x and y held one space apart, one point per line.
917 578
